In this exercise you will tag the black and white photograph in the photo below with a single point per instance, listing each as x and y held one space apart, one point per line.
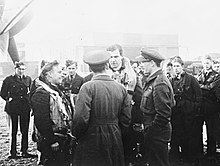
109 83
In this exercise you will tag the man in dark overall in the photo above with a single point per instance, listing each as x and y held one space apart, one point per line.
103 111
186 119
208 81
52 117
15 91
156 103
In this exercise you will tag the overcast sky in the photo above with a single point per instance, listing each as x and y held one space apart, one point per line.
194 21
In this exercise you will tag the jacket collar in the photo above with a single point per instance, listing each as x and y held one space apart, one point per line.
102 77
73 76
17 76
153 75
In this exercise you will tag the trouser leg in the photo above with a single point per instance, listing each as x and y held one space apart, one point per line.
14 128
24 125
211 142
158 153
177 130
156 145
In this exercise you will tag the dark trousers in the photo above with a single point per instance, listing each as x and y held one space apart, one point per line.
58 159
156 145
130 140
62 157
24 126
186 134
210 110
210 121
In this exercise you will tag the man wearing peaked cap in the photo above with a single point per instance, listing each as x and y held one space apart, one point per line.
156 103
102 107
97 57
15 91
148 54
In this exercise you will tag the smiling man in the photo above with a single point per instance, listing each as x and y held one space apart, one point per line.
52 116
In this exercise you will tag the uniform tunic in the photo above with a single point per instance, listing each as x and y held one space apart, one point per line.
102 110
72 84
15 91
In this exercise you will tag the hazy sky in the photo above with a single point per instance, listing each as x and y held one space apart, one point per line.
194 21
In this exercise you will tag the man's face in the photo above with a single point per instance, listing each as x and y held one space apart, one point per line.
146 68
216 67
56 75
116 60
169 69
178 68
72 69
20 70
207 64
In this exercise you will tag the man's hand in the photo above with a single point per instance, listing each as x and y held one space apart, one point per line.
55 146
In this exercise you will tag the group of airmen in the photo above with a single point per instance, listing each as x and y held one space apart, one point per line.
122 113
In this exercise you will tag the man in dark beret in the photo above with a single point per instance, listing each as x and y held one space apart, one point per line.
103 110
156 103
15 91
73 82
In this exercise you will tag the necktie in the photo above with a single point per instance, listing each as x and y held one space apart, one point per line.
71 77
178 77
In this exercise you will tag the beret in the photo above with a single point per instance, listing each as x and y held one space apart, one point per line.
97 57
70 62
148 55
19 64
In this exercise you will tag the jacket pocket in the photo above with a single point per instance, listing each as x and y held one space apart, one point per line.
146 98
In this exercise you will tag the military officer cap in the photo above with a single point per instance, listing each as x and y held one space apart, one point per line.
148 55
97 57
